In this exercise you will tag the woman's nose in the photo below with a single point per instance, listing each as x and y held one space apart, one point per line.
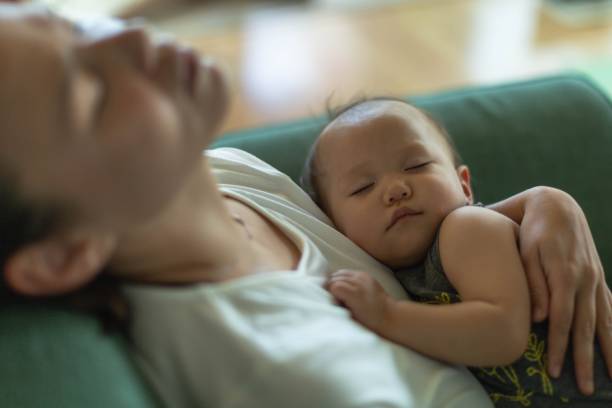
132 45
397 191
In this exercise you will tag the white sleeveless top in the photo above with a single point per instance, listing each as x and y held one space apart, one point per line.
277 339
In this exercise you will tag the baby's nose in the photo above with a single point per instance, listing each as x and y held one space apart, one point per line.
397 192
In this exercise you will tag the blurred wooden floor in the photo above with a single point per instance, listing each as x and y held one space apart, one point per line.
284 62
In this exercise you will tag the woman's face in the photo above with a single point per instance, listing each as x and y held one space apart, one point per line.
113 125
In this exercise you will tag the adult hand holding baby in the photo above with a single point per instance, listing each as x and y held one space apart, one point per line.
566 280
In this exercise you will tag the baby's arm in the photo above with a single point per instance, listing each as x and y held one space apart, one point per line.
489 327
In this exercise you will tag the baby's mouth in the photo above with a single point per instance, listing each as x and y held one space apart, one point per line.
400 214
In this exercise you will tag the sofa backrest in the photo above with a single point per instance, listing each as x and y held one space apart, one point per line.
554 131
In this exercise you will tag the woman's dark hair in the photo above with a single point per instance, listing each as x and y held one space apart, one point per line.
309 179
24 221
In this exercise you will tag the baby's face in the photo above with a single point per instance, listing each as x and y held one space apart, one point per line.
387 180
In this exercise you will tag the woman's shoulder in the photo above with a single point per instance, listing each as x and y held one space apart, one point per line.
229 158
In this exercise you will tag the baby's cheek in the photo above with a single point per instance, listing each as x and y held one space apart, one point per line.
363 234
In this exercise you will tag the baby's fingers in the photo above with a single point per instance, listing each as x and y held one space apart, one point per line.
346 274
343 290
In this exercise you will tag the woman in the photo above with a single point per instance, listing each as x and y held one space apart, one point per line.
101 141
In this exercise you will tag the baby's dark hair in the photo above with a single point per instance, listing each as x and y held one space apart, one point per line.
309 179
24 221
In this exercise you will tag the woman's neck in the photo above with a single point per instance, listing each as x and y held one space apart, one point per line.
195 240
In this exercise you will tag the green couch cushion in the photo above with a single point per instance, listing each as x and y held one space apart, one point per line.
54 358
554 131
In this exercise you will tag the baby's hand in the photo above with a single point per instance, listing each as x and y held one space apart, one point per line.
362 295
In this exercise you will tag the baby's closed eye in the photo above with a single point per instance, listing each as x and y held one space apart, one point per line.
417 166
362 188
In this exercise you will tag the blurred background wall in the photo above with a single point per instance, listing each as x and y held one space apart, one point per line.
285 59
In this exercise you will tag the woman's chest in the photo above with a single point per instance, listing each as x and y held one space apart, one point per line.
273 248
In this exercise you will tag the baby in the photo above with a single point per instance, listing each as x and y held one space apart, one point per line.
389 177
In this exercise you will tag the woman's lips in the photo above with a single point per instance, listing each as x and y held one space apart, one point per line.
401 213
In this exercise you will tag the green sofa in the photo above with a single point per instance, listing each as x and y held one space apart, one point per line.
553 131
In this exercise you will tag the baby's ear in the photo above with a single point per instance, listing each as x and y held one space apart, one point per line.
58 264
463 172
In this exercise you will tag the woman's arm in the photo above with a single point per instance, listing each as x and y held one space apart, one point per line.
566 278
491 324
